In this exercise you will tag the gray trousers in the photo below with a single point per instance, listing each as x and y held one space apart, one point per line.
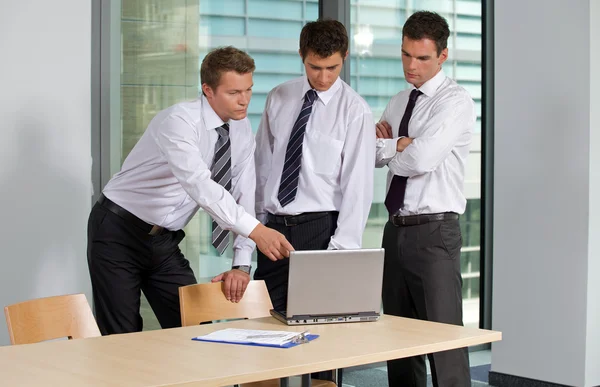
422 280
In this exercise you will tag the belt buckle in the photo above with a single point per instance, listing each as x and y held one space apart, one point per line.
155 230
403 221
285 221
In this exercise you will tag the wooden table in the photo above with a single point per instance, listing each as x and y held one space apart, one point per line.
170 358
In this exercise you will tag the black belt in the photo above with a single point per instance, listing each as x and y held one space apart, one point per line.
413 220
116 209
293 220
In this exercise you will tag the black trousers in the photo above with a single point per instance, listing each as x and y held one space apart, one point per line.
422 280
124 260
311 235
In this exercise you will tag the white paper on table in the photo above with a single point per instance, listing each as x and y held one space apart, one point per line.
254 336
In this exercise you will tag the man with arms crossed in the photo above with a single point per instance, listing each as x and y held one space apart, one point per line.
315 157
423 138
193 155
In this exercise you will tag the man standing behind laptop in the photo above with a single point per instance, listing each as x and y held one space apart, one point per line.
193 154
315 157
424 137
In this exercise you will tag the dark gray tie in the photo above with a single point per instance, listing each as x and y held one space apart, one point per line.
221 173
293 154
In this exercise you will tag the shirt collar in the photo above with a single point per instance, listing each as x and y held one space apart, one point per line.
210 118
324 96
431 87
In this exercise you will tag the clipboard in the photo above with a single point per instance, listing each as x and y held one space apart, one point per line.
257 338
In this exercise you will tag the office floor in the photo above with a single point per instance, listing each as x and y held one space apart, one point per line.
375 375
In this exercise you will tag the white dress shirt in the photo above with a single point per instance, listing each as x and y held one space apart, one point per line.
441 126
338 157
166 177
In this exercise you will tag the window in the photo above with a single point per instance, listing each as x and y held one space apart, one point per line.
162 46
376 74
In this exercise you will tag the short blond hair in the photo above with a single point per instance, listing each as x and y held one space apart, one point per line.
221 60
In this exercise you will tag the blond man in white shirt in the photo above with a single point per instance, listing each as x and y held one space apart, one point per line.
315 157
197 154
423 138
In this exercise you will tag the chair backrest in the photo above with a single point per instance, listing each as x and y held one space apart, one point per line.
50 318
206 302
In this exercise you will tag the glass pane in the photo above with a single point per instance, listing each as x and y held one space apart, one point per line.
162 45
376 74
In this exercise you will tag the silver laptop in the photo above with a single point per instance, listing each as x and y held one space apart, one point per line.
333 286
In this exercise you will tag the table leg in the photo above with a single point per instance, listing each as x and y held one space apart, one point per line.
339 376
306 381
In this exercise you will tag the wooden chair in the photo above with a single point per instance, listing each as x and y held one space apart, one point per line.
50 318
206 302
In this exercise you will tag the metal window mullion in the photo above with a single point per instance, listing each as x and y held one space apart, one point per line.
487 167
96 148
106 91
338 10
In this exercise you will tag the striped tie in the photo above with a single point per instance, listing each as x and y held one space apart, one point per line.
221 173
293 154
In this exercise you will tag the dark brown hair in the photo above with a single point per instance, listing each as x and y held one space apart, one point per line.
323 38
221 60
427 25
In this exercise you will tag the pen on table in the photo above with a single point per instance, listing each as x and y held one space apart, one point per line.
263 336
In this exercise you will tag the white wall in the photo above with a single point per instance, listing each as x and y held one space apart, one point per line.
45 157
593 301
545 193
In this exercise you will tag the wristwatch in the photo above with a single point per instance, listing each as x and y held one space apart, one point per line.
245 268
